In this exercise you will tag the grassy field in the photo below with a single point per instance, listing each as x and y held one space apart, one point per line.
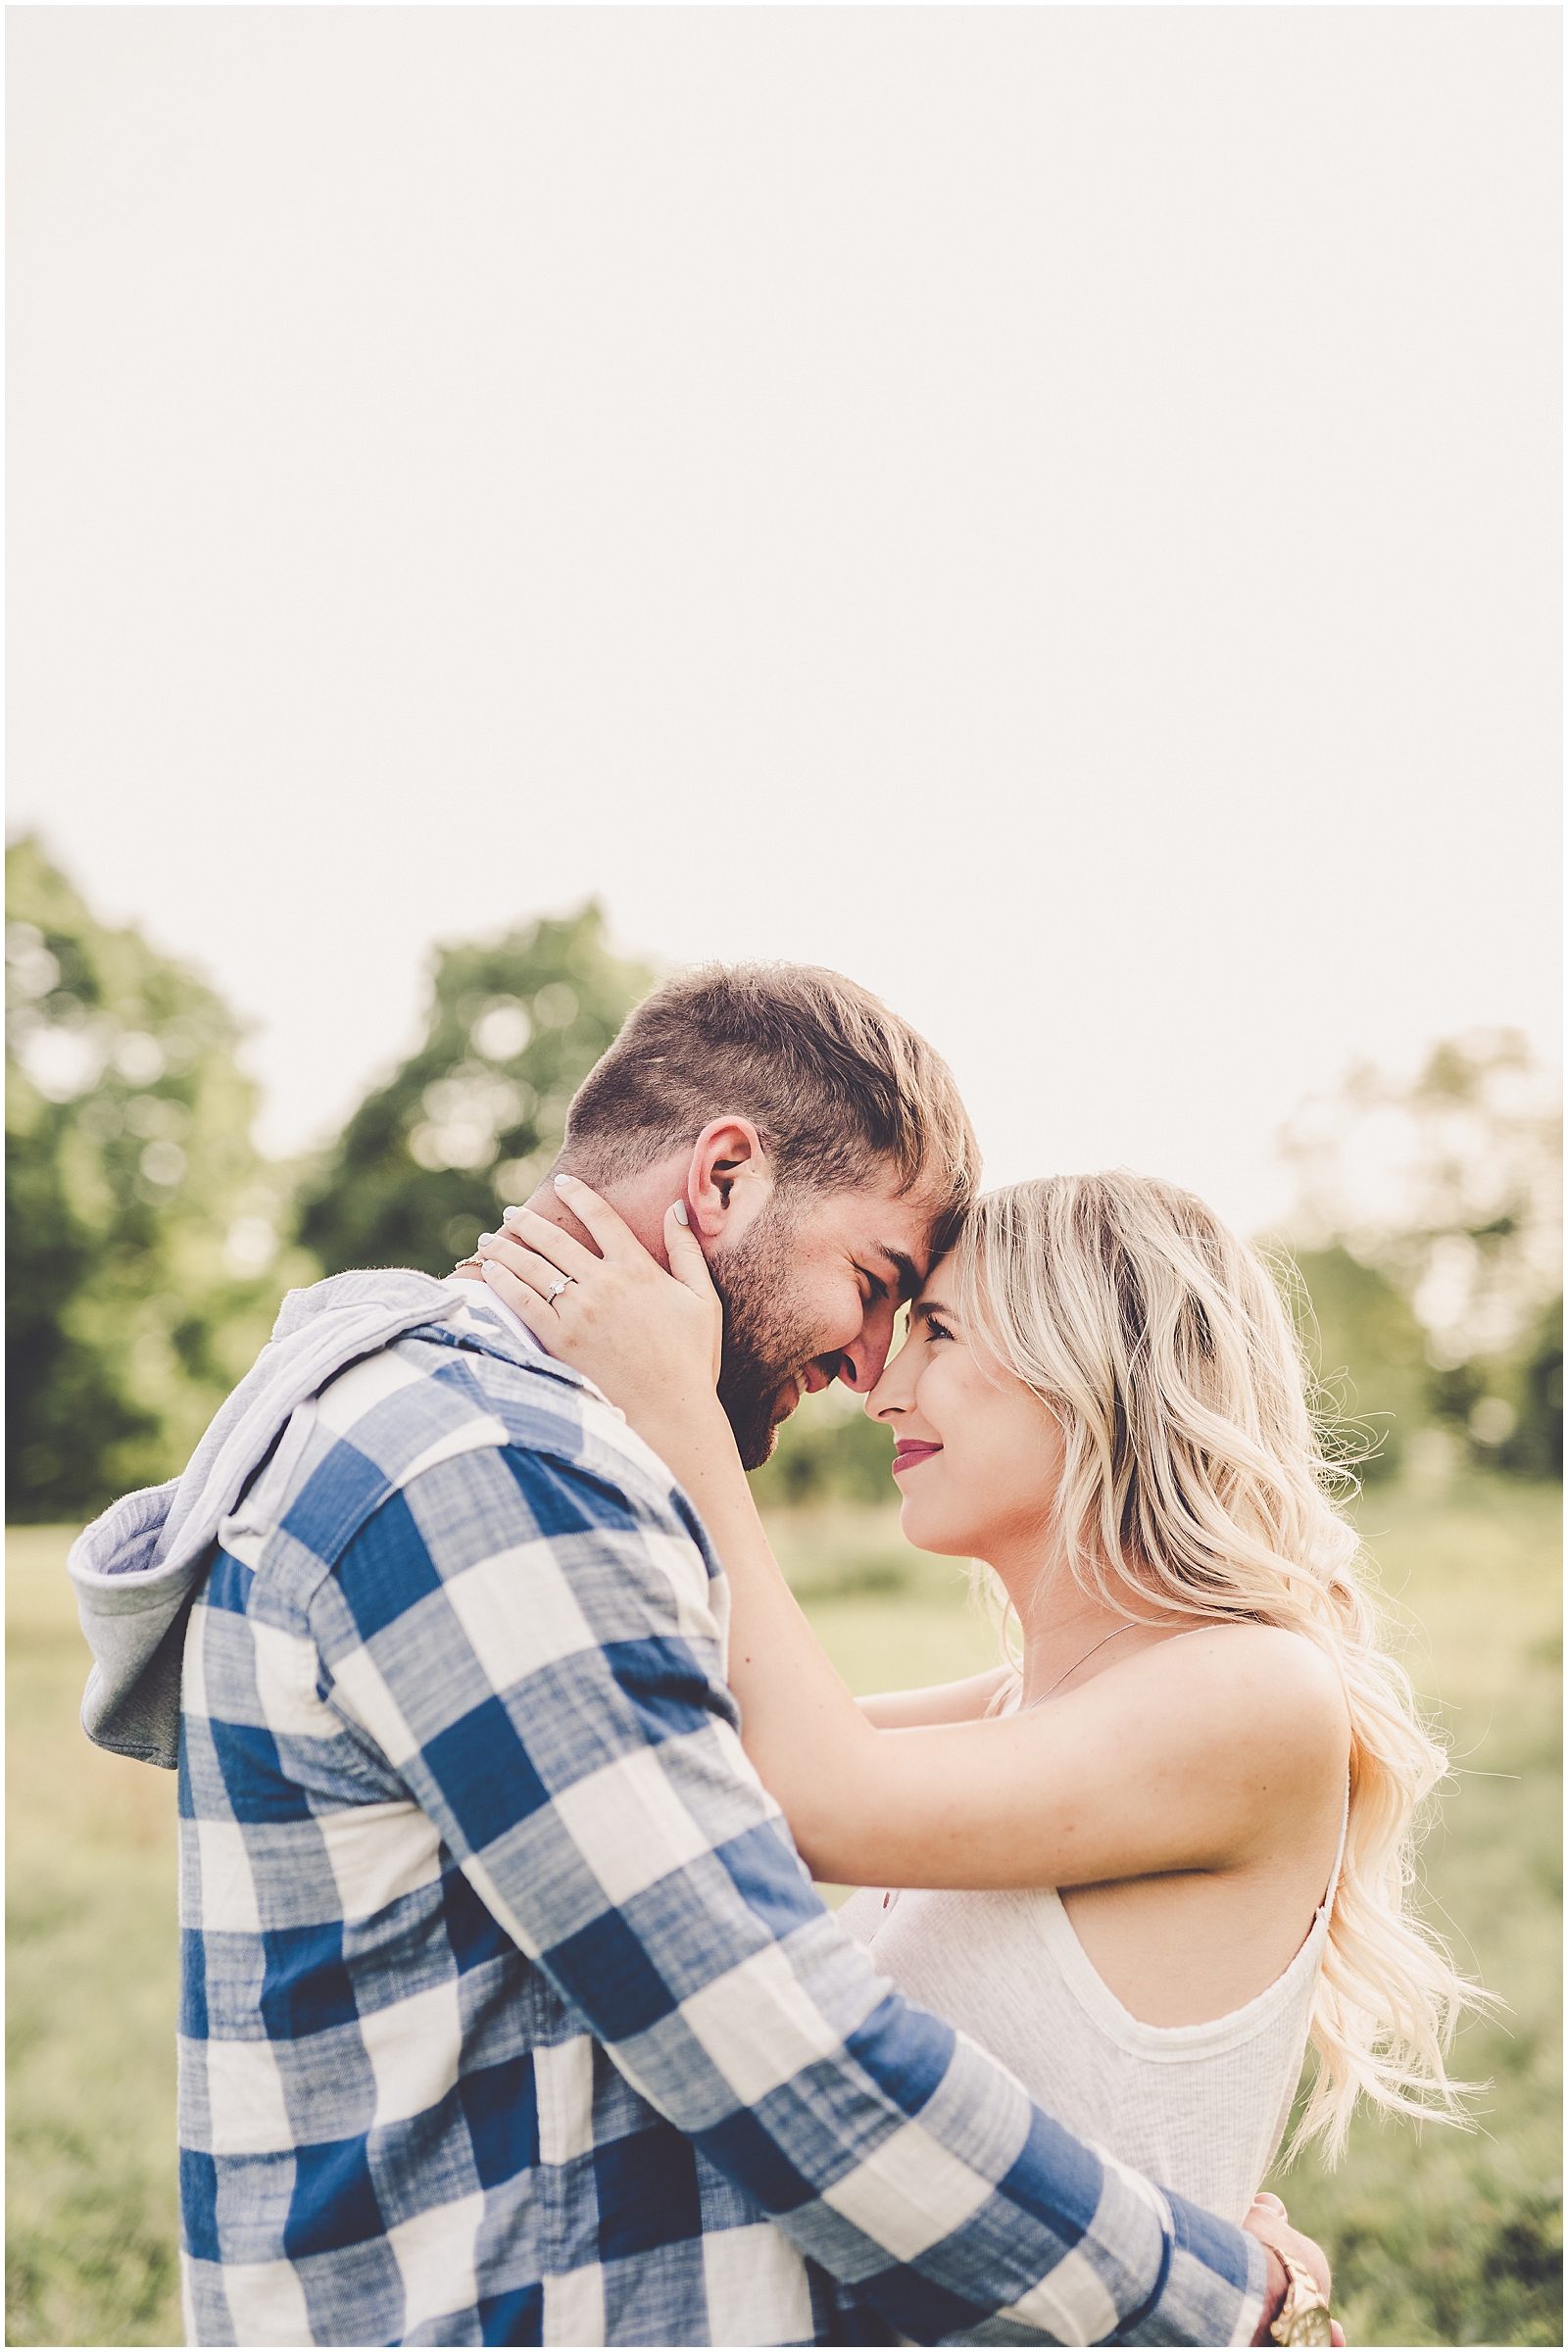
1447 2239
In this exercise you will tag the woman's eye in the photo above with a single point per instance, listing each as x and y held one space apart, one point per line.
935 1329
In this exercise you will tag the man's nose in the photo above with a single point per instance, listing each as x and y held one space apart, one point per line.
893 1391
861 1362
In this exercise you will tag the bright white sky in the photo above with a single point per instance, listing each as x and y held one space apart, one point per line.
1051 512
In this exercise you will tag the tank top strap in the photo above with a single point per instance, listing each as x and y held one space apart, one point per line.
1327 1903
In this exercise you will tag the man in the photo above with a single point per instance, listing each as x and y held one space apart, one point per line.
507 2011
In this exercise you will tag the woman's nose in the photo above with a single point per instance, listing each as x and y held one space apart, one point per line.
886 1397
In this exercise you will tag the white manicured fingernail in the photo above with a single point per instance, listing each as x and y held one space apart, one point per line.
561 1182
681 1218
487 1236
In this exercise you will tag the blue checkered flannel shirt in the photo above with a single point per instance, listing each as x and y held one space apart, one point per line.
509 2013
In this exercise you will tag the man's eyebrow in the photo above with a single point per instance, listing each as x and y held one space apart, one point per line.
909 1276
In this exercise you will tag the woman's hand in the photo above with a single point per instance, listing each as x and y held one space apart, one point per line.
651 1340
1269 2222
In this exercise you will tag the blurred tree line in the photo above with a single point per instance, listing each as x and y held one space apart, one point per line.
144 1238
148 1244
473 1120
1428 1241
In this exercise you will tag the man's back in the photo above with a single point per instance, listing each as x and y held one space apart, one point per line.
393 2127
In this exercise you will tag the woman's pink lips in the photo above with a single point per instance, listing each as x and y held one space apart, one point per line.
904 1458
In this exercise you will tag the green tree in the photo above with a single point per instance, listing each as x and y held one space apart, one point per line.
1508 1406
474 1119
144 1238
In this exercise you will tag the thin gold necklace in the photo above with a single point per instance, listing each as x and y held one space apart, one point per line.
1084 1660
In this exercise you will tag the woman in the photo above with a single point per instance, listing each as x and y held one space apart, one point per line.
1148 1858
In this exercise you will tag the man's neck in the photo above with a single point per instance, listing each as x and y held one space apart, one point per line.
545 1203
640 1201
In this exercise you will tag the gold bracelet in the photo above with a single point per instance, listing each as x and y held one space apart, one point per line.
1305 2312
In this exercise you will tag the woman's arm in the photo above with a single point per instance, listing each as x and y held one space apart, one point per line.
936 1702
1196 1757
1200 1755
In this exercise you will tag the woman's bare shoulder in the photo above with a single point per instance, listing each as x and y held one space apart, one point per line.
1275 1687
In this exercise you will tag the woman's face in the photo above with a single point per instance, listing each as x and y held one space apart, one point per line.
978 1457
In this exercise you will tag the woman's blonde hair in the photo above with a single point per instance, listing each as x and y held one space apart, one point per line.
1196 1477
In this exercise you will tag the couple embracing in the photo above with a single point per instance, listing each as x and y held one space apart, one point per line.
508 2011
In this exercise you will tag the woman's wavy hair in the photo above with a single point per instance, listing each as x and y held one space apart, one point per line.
1197 1477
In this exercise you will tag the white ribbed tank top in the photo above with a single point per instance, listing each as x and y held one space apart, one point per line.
1201 2109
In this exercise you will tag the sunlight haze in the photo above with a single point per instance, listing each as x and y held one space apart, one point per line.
1053 513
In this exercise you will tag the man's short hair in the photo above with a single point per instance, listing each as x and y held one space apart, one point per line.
835 1084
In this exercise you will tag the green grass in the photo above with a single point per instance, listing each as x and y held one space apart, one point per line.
1445 2238
92 1961
1450 2237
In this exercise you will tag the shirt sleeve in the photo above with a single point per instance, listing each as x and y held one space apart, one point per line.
537 1654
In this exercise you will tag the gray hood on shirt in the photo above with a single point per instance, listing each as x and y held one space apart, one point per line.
138 1568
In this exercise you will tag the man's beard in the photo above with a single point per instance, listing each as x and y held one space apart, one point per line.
763 1346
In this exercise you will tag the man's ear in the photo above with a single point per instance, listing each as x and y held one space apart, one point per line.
728 1180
